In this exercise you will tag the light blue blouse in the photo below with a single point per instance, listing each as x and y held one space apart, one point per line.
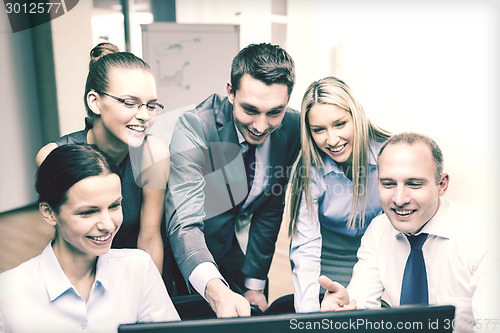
332 194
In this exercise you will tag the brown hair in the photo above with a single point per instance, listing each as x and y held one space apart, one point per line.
67 165
100 51
265 62
103 58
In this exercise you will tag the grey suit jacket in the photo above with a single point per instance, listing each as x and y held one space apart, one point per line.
207 186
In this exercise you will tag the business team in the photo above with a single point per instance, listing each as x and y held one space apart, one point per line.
365 208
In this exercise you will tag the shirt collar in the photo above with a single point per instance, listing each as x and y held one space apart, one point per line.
241 139
439 225
102 273
57 282
373 152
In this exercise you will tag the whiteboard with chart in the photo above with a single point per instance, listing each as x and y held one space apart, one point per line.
189 61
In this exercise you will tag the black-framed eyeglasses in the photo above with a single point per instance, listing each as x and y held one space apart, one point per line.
132 102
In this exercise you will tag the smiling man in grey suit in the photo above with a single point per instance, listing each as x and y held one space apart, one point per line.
230 161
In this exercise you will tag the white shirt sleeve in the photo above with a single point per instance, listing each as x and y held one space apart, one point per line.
255 284
207 271
2 326
202 274
305 254
483 259
156 305
366 285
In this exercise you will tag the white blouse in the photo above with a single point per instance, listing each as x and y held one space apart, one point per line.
37 296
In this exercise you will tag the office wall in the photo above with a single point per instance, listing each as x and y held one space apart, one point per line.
19 131
253 17
42 85
425 66
72 42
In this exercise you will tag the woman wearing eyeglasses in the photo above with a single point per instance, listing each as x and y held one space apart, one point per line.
121 102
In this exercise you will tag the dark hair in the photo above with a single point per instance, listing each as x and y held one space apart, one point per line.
411 138
104 57
65 166
264 62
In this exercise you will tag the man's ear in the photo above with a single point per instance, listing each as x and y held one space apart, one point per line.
47 213
443 184
230 92
93 102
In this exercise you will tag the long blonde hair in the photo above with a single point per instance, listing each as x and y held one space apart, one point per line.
333 91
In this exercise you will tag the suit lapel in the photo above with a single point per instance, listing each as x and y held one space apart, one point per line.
277 154
225 127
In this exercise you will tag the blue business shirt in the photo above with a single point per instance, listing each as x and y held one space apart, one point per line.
331 194
37 296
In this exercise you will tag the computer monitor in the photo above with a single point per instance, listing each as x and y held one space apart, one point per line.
402 319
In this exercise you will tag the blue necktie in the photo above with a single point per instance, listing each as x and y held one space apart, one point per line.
249 160
414 289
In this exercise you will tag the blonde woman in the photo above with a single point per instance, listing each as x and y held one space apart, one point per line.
333 192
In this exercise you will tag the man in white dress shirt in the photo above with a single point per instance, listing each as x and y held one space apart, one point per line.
461 262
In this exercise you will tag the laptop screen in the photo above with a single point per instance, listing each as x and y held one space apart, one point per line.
402 319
